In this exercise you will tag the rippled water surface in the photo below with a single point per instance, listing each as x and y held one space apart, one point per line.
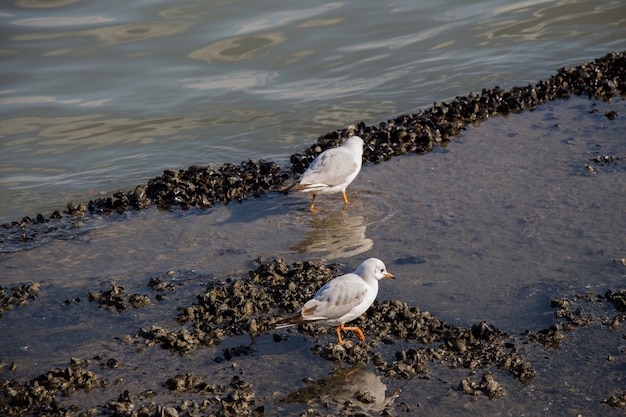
98 96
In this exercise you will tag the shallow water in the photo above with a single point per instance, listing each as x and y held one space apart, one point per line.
100 97
491 228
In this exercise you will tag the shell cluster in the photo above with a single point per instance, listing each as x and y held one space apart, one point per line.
115 298
245 305
41 392
486 386
420 132
197 187
40 396
433 341
17 295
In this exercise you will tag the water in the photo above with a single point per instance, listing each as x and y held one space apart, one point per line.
97 97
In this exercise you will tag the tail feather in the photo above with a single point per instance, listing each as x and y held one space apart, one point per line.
289 187
289 321
283 325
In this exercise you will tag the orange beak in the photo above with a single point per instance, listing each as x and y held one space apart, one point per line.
388 275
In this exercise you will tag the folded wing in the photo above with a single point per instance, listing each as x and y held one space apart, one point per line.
335 299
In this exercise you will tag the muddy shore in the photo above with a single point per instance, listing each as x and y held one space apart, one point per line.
89 332
231 323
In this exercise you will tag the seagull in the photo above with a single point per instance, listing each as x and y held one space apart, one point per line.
332 171
342 299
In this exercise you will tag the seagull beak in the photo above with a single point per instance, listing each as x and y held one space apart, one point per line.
388 275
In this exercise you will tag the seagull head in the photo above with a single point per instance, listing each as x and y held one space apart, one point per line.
373 268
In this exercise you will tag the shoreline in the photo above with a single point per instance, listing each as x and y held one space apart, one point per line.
204 187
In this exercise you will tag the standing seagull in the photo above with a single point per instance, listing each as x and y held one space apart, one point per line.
342 299
332 171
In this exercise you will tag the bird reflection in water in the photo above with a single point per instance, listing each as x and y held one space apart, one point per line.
356 388
336 235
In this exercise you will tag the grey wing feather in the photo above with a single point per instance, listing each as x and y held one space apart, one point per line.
330 168
336 299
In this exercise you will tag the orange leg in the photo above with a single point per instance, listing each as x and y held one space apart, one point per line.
355 329
345 197
312 208
341 341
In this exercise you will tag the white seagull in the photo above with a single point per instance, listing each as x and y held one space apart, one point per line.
332 171
342 299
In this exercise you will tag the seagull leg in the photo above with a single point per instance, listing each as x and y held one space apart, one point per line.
345 197
312 208
341 341
355 329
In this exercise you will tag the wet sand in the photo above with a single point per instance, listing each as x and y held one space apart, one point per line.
515 213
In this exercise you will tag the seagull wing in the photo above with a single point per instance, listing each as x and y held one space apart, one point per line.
335 299
331 167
